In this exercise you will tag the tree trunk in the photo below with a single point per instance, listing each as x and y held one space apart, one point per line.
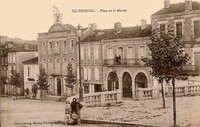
16 92
41 95
174 101
163 94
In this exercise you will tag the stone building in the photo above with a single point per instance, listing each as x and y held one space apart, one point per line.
16 55
111 61
185 19
31 72
57 48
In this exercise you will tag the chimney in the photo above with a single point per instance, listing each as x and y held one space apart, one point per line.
188 5
117 26
166 3
143 24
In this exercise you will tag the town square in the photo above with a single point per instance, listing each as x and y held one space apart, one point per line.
100 64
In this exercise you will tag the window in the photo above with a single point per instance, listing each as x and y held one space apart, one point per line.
82 53
44 60
28 71
85 73
43 48
51 83
57 66
72 45
120 51
86 88
130 52
50 65
96 52
65 46
89 73
96 73
179 29
142 51
64 60
162 27
89 52
97 88
196 29
50 46
110 53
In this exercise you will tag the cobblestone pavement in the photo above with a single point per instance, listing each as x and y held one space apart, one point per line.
34 113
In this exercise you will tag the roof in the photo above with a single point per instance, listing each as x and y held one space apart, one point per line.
26 47
176 8
125 32
31 61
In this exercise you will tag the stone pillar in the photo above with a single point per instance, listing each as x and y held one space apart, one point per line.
119 96
186 90
102 99
140 93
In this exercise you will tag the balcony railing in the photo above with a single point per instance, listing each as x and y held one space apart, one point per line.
192 69
128 62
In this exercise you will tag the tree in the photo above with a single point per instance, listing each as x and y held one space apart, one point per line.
71 77
167 60
42 81
15 80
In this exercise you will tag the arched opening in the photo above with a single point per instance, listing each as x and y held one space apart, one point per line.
59 86
113 81
127 85
141 81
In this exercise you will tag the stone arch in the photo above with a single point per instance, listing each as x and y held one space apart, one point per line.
127 85
141 81
112 81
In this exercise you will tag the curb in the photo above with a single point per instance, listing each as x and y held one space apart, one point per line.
124 124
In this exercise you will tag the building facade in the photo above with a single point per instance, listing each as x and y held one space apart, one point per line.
57 48
185 19
111 61
31 72
16 55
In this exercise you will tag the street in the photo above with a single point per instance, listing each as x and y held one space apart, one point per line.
28 113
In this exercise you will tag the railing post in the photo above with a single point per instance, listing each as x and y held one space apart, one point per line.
140 93
102 99
186 90
119 96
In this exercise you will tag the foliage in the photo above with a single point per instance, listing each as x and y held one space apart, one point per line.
71 76
42 80
15 78
167 57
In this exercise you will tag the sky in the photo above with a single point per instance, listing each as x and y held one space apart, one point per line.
25 18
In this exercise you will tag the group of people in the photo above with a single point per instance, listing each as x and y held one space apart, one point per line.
72 112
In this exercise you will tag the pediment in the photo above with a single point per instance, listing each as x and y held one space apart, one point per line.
56 28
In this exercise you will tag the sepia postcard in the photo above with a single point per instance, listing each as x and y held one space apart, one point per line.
100 63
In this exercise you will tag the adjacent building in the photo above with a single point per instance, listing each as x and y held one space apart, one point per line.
185 19
31 72
16 55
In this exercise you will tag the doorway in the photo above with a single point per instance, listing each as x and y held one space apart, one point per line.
127 85
58 86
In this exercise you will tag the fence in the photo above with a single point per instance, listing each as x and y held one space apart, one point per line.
145 93
185 90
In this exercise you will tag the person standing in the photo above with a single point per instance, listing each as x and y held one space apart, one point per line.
68 118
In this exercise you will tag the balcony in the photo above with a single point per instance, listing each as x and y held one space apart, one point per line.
123 62
192 70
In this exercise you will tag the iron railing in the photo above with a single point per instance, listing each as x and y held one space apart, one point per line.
128 62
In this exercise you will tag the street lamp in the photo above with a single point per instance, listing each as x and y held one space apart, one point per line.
79 34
